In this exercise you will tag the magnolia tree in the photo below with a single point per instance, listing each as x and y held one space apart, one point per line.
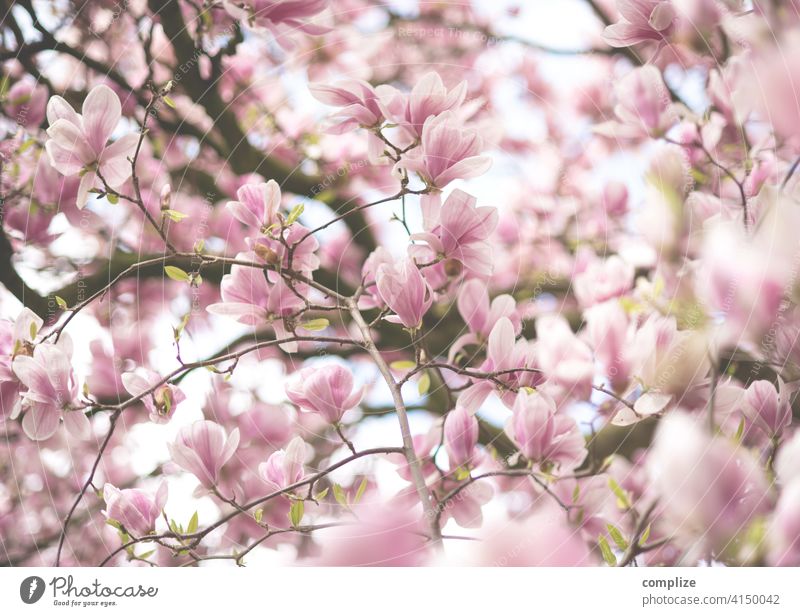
358 282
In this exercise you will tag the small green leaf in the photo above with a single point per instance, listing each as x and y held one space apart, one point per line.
402 364
424 383
112 198
739 431
27 144
192 524
645 536
176 273
62 303
608 555
340 495
617 536
199 245
169 102
258 515
623 500
315 325
296 513
462 473
295 214
576 493
321 495
146 555
175 215
360 491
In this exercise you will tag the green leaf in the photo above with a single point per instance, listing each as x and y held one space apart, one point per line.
315 325
27 144
608 555
739 431
424 383
296 512
462 473
175 215
321 495
295 214
199 245
360 492
340 495
258 515
112 198
146 555
403 364
192 524
623 500
576 493
176 273
617 536
169 102
645 536
62 303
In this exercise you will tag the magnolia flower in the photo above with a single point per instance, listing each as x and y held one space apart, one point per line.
768 407
709 488
358 100
610 334
163 399
603 280
249 298
564 357
450 151
460 436
480 315
429 97
327 390
542 434
78 143
281 17
52 391
642 20
136 510
404 290
458 230
15 338
202 449
784 530
257 205
25 103
284 467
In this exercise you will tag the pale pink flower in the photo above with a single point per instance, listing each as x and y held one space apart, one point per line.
15 338
460 436
203 448
328 390
564 357
644 107
460 231
78 143
281 17
162 401
429 97
542 434
768 407
52 391
603 280
642 20
480 315
610 334
257 205
783 534
249 298
25 103
358 100
710 489
450 151
404 290
276 247
787 462
135 509
284 467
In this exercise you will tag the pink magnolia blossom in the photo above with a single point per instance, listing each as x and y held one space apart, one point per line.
480 315
15 338
257 205
709 489
429 97
603 280
610 334
52 391
78 143
281 17
162 401
784 529
642 20
249 298
542 434
26 102
327 390
203 448
460 436
284 467
459 230
359 103
564 357
644 107
769 407
403 289
450 151
135 509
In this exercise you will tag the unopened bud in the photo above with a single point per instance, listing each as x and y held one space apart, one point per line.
166 196
453 267
266 253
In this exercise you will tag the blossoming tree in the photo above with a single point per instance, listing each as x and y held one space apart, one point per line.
375 280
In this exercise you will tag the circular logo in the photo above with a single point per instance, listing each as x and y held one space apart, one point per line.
31 589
